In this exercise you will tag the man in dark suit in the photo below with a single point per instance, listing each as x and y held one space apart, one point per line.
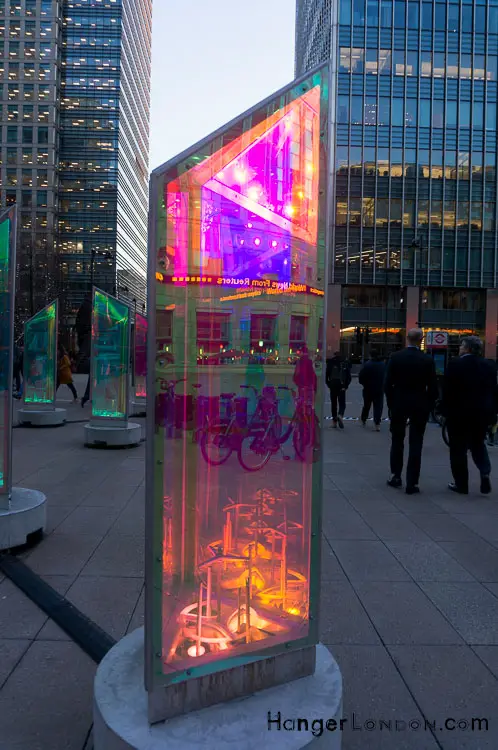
469 405
411 391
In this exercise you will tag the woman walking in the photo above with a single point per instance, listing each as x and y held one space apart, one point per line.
64 372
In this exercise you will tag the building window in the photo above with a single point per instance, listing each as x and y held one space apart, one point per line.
298 331
213 330
263 329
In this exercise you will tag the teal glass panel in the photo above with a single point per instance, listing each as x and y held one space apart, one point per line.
40 356
7 291
110 357
140 356
236 299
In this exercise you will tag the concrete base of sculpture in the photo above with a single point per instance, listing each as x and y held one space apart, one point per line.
268 718
138 408
103 436
42 418
26 515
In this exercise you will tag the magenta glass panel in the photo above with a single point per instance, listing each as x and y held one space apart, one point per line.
235 456
140 356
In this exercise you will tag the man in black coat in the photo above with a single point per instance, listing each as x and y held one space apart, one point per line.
411 391
469 405
338 379
371 377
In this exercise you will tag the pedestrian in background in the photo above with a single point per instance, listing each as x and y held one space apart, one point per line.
338 379
469 405
18 367
371 377
411 391
64 371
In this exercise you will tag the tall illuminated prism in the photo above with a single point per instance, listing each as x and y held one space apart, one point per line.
236 301
139 362
40 370
22 511
109 374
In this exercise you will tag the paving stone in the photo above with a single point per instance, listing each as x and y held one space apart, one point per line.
118 555
402 613
426 561
109 602
19 616
342 617
396 527
450 682
469 607
330 566
347 524
489 655
62 554
11 651
441 527
479 558
46 704
368 561
374 691
89 521
138 617
483 524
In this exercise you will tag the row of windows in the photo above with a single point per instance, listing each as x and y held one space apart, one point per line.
410 161
14 29
30 156
25 49
16 113
399 112
26 134
27 178
27 71
414 15
466 300
412 63
31 8
450 214
30 92
28 198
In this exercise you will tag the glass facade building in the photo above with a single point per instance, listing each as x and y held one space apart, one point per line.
415 159
75 93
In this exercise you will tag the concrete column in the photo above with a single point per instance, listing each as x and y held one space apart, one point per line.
333 330
412 306
491 323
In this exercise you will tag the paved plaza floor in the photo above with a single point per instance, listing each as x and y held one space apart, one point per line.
409 603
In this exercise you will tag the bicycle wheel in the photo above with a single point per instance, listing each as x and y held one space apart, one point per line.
257 447
216 444
307 439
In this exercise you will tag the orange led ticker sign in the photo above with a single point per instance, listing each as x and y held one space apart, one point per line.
264 286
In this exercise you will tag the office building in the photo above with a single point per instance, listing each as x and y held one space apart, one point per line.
415 141
75 115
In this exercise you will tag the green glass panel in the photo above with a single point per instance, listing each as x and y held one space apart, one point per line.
40 357
7 260
238 257
110 357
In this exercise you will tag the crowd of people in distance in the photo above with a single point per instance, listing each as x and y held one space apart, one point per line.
65 369
409 384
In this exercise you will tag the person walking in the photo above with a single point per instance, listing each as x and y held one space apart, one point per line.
64 372
411 391
469 405
338 379
371 377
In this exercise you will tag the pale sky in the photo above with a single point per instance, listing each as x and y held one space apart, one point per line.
212 60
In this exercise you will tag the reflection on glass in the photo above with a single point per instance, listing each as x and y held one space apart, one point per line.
240 263
110 357
40 357
140 356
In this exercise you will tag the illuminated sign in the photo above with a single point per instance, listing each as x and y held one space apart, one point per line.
110 357
268 286
40 357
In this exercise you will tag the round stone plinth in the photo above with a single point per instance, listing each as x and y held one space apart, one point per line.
97 436
138 408
41 418
120 710
26 515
